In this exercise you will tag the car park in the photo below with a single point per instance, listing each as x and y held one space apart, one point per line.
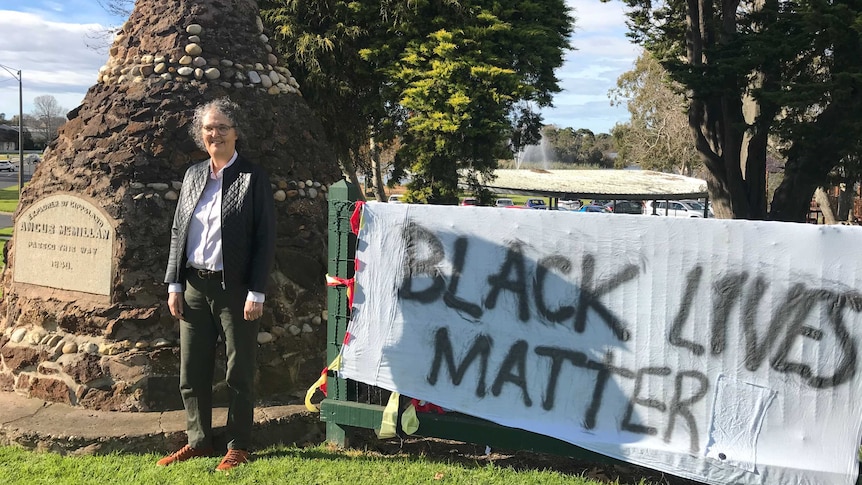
504 202
535 204
674 208
7 166
625 207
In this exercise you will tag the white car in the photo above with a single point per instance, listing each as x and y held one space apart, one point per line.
504 202
396 199
674 208
7 166
569 205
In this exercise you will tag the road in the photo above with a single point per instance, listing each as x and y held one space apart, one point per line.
8 179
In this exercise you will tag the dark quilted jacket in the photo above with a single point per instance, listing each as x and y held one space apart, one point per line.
248 224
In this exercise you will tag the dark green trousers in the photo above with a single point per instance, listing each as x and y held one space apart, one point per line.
211 312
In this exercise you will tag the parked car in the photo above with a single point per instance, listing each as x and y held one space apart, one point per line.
535 204
674 208
7 166
503 202
625 207
593 208
470 201
698 205
396 199
569 205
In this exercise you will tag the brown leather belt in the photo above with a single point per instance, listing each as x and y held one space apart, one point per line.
206 274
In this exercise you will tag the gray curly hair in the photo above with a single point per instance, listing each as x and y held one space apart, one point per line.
221 105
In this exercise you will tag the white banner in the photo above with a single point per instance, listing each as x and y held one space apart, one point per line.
717 350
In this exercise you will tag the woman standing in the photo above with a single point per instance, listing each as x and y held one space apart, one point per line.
222 247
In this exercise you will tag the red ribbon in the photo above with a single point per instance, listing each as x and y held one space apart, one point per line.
322 387
348 282
426 407
356 216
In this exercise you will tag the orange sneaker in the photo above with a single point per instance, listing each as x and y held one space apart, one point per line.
183 454
232 459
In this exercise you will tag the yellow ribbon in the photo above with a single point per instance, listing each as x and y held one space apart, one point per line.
409 420
388 425
334 365
390 417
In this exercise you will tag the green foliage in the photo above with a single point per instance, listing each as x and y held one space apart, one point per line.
458 103
655 137
580 147
759 69
452 80
465 88
526 127
320 41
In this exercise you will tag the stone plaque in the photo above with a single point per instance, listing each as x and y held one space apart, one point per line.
63 241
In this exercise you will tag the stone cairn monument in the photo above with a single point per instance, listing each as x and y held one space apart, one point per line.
84 318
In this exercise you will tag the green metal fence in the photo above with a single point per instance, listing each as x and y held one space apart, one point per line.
351 405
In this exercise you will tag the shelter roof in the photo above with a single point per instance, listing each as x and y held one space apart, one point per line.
603 184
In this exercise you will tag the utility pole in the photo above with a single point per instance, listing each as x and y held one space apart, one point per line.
20 126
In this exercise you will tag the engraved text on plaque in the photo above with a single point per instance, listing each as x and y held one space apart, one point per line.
63 241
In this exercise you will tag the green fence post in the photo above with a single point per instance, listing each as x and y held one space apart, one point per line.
341 243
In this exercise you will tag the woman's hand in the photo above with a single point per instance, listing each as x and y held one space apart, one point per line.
175 304
253 310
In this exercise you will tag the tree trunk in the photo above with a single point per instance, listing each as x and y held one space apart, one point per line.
810 159
720 198
845 202
377 171
792 198
730 129
348 169
822 199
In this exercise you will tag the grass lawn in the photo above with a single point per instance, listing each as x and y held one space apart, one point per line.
281 464
9 199
8 203
5 231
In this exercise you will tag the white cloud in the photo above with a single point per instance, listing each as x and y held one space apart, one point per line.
55 6
68 11
602 54
53 57
594 16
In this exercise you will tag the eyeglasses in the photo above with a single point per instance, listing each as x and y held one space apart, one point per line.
221 129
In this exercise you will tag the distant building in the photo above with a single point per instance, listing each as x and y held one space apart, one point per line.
8 138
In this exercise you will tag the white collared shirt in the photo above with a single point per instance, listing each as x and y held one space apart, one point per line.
203 243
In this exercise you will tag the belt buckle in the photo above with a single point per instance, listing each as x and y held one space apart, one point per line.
205 274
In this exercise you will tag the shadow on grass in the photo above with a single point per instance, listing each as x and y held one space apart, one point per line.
366 447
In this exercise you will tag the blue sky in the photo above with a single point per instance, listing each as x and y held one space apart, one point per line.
49 41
